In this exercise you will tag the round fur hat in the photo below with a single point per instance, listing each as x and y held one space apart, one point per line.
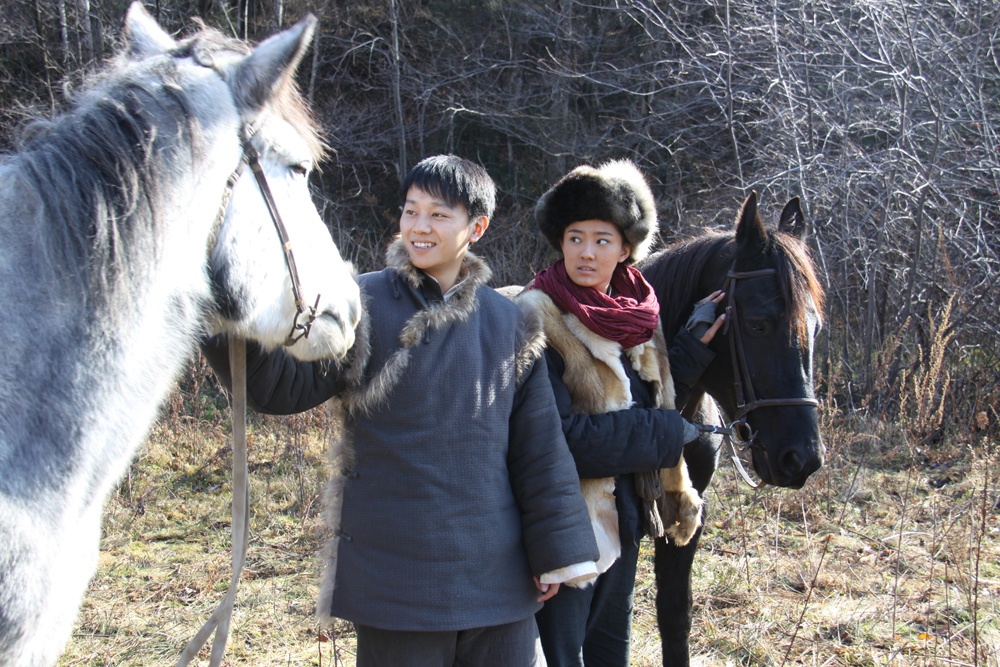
615 192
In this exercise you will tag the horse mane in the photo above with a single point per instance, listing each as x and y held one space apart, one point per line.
92 173
680 266
799 283
94 168
208 46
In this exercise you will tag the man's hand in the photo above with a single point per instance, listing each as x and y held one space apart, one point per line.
548 590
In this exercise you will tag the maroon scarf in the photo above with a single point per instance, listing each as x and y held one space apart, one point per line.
629 317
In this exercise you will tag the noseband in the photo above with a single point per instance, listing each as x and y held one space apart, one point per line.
746 398
300 329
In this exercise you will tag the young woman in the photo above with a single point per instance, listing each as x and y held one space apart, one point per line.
615 390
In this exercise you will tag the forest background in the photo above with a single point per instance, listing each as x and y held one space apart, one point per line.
883 116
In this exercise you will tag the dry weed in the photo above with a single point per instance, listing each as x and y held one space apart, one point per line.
870 564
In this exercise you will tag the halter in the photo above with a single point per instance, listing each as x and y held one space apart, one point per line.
746 398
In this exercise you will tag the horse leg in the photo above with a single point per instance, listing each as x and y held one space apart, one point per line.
673 598
672 564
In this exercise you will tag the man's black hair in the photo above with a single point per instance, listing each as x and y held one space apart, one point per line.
456 181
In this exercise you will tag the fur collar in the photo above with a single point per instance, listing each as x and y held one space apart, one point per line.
474 272
436 316
595 375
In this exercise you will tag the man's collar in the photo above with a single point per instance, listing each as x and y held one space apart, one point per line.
474 272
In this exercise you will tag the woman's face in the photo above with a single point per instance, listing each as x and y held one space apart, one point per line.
592 249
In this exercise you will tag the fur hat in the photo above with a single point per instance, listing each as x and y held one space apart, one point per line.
616 192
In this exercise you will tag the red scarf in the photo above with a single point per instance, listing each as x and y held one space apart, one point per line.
629 317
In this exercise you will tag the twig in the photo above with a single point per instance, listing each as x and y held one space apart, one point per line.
819 566
899 552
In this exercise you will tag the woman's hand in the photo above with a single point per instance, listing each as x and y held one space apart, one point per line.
703 324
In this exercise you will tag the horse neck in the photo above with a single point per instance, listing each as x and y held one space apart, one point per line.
90 369
688 272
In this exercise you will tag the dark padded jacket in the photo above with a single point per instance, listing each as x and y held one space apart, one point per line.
455 484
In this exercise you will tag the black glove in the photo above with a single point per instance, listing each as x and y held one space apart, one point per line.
701 319
691 432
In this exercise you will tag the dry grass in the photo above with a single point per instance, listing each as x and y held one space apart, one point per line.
880 560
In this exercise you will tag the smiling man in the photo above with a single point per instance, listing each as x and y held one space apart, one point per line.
437 227
456 509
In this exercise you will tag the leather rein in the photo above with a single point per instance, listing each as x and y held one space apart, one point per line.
220 618
739 429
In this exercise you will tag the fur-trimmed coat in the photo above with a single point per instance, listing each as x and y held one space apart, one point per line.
453 482
605 395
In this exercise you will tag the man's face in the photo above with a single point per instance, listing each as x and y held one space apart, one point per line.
437 235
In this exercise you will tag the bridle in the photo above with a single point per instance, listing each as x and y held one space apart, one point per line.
304 315
299 329
746 398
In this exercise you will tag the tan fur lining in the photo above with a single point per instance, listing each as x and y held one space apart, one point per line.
598 383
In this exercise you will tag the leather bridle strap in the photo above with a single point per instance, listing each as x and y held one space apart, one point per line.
299 329
746 399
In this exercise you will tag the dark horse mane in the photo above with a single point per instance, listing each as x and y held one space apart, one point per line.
681 264
92 173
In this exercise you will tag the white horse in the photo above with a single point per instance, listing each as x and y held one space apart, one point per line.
116 256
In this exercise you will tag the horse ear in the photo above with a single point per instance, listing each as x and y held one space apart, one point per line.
793 219
259 76
750 232
144 35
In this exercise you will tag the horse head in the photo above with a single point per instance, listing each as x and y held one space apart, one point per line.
273 265
763 367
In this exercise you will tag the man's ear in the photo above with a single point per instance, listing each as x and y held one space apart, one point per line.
481 224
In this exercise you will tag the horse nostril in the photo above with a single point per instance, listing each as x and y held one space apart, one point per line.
790 464
331 314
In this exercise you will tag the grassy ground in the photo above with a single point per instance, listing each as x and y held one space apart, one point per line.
889 556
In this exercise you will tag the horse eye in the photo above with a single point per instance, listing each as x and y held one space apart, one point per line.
758 327
300 169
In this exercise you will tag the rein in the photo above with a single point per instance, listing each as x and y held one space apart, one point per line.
221 616
219 620
746 398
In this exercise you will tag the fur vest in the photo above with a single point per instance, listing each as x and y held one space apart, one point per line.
599 383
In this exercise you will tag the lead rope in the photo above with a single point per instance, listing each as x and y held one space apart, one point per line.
219 620
738 464
738 429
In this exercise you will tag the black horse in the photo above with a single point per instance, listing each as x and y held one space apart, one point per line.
761 376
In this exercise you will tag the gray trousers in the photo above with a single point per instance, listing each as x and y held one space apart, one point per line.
512 645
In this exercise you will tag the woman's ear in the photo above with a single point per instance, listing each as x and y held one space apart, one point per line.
626 252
